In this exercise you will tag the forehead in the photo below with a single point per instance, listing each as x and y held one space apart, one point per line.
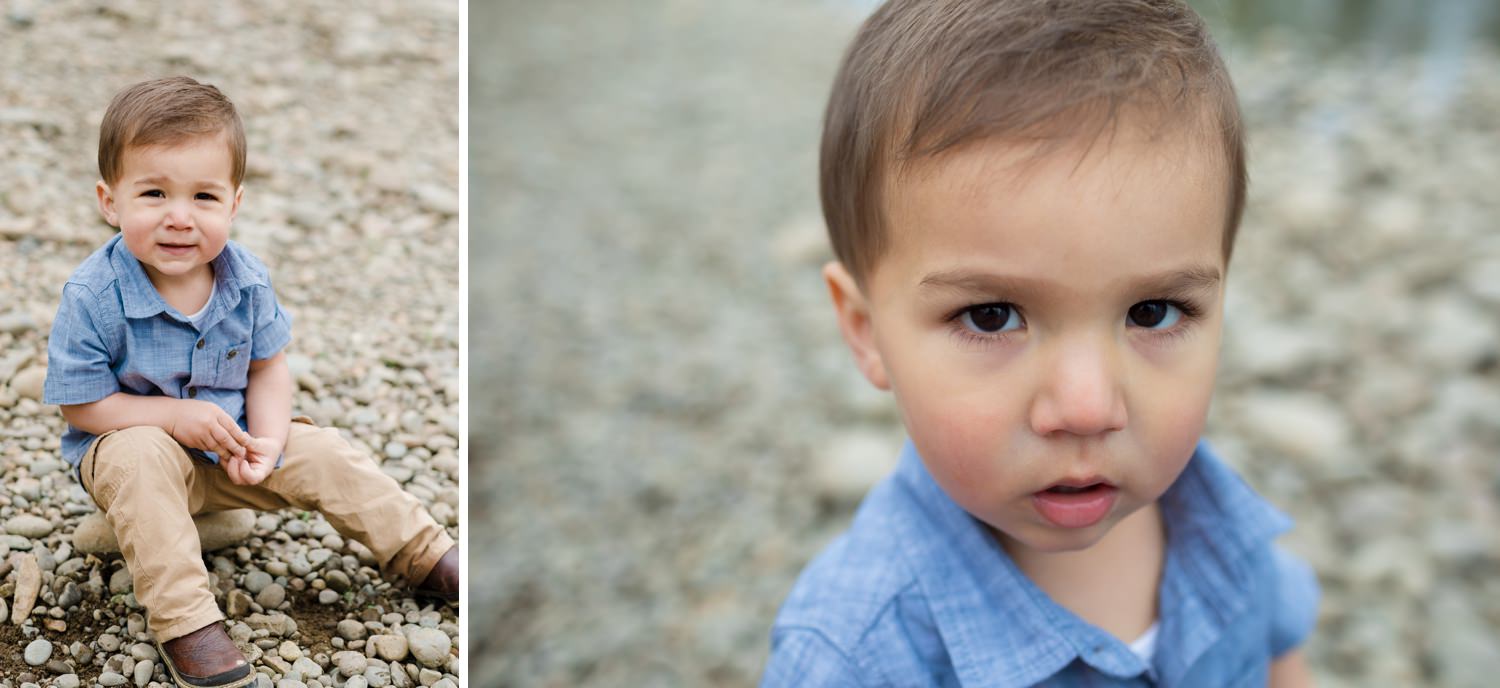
198 156
1133 199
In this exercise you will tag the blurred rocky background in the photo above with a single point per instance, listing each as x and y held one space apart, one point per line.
666 427
351 111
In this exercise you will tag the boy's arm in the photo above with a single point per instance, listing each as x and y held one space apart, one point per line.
1296 615
1290 671
198 424
268 413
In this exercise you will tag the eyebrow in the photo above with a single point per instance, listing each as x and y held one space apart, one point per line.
162 181
1189 279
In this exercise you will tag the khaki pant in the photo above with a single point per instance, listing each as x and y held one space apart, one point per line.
150 488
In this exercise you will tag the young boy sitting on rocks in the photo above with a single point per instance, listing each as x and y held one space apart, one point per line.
1033 205
167 359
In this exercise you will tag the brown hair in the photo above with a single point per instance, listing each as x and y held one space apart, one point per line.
926 76
165 111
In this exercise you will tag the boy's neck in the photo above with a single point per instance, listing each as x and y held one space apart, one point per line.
1114 583
188 292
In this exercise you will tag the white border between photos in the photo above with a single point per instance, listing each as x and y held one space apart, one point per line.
463 342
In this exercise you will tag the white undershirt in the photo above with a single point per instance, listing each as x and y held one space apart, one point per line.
197 318
1145 646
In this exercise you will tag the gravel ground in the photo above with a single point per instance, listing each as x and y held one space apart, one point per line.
351 111
667 427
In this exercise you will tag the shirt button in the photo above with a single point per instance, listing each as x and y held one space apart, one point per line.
192 392
200 343
233 353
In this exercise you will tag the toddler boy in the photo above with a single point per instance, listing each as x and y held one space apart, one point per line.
1033 204
167 359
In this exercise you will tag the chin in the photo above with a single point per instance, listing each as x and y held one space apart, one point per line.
1054 540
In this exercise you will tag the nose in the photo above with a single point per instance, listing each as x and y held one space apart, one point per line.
1082 392
179 216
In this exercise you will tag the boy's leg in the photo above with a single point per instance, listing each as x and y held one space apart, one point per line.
149 489
321 471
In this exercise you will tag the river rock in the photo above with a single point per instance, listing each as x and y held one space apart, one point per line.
121 582
429 646
237 603
1300 425
28 584
350 629
350 663
852 463
27 384
142 673
38 652
216 530
255 581
29 526
271 596
389 647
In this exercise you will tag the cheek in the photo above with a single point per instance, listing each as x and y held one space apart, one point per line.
964 438
1178 409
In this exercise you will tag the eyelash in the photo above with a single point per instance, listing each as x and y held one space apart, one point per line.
1190 314
157 193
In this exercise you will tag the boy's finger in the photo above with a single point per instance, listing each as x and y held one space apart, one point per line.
237 471
218 439
240 437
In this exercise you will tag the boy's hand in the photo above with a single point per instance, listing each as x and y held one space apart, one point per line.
203 425
257 463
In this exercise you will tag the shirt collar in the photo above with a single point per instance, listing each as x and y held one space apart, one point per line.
1215 525
1214 522
141 300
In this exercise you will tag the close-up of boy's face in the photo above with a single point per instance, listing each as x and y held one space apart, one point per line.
173 204
1049 326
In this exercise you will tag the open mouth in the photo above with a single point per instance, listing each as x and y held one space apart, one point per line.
1070 489
1077 504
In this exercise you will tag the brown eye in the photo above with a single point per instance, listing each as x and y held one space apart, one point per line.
990 318
1154 314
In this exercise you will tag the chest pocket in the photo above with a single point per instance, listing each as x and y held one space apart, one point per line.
232 366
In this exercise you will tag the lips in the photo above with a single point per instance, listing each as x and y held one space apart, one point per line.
1076 503
176 249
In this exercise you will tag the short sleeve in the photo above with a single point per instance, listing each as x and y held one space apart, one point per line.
803 657
273 326
1296 609
78 358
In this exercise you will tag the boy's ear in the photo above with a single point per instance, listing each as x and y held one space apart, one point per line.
853 312
107 203
234 208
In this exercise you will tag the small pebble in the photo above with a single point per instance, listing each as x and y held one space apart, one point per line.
38 652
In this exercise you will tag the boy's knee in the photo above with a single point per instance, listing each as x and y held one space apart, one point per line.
138 447
125 455
324 444
322 450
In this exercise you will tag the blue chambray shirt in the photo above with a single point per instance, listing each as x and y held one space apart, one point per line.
114 333
917 593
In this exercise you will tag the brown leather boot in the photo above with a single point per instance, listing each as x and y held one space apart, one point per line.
206 658
442 582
